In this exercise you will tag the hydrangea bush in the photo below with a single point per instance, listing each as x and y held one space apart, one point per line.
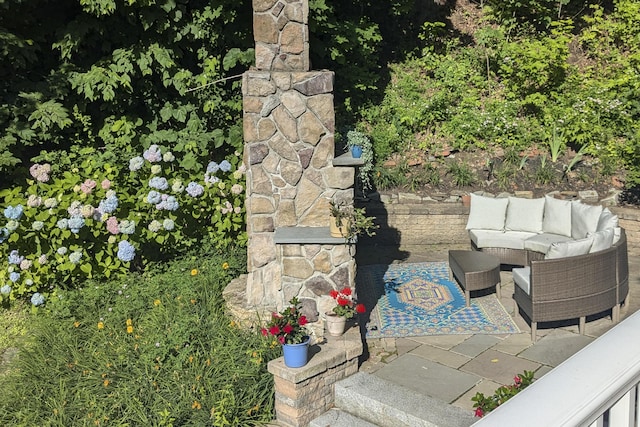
99 219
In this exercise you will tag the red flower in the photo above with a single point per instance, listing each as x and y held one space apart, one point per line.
281 339
346 291
517 380
333 294
479 412
264 332
274 330
303 320
287 329
360 308
342 301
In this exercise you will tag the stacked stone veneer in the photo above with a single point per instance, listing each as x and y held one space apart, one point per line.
281 34
289 151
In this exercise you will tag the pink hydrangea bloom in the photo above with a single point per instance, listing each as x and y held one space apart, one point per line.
105 184
112 225
88 186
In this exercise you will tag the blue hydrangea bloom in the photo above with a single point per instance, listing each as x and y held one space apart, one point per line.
168 203
37 225
108 205
154 197
194 189
225 166
62 223
159 183
76 223
136 163
14 276
75 257
168 224
126 251
5 290
153 154
37 299
13 212
62 250
12 225
212 167
15 258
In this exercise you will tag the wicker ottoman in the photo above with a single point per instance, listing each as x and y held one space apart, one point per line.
475 271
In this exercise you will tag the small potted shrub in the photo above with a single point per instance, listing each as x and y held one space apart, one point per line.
349 222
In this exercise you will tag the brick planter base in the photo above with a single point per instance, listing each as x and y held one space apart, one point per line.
305 393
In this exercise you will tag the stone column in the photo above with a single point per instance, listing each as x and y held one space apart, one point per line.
289 130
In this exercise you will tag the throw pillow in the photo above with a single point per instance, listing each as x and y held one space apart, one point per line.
487 213
557 216
571 248
602 240
524 215
607 220
584 219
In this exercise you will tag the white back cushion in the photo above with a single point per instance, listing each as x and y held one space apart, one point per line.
584 219
524 215
557 216
487 213
607 220
570 248
602 240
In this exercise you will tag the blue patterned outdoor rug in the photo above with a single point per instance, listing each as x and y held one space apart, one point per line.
416 299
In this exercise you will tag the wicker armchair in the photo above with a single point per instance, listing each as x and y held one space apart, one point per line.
572 287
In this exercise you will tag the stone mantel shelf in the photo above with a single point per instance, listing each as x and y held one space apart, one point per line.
347 159
307 236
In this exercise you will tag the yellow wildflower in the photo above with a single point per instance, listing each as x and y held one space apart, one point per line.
156 302
105 383
196 405
225 265
194 271
129 322
129 329
100 325
76 324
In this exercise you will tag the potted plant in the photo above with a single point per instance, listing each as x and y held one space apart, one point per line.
345 308
349 222
360 146
288 327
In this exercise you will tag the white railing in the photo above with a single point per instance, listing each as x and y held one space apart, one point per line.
596 387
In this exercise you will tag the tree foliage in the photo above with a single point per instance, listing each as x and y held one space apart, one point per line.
118 76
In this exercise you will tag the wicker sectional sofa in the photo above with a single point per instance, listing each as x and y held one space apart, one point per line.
572 256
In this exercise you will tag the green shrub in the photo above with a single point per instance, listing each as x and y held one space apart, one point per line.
147 349
99 219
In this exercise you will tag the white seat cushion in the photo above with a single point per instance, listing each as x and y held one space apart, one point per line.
524 215
607 220
487 213
602 240
584 219
499 239
570 248
522 278
557 216
542 242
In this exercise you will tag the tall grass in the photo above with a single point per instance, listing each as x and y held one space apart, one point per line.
149 350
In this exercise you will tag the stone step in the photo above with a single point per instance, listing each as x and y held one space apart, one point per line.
338 418
385 404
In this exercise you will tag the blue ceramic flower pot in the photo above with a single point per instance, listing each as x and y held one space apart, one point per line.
356 151
296 355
